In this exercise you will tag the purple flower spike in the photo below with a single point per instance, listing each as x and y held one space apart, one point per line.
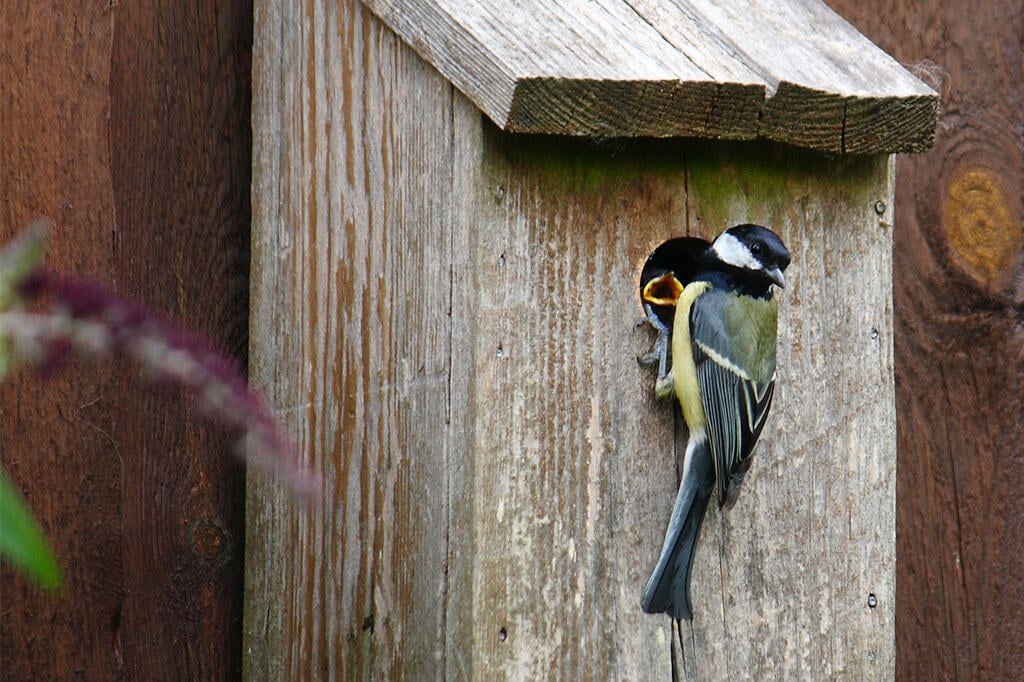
91 321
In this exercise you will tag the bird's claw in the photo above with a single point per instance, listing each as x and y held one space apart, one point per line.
659 352
652 320
650 358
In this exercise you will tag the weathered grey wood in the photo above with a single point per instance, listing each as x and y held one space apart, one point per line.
444 314
791 71
350 324
577 68
782 580
475 484
828 87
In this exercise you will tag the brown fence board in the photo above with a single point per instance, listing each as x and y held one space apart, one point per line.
127 123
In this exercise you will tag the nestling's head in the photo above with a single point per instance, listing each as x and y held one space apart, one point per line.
753 248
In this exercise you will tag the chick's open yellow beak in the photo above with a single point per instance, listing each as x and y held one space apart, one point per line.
664 290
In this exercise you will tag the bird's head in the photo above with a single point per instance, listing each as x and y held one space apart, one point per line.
753 248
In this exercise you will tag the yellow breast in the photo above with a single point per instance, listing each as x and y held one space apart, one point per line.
684 371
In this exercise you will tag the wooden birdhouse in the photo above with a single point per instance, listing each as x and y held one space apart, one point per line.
452 202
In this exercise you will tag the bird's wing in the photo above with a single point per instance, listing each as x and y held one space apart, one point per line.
733 341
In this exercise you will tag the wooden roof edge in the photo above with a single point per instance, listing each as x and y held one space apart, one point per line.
849 124
600 108
501 57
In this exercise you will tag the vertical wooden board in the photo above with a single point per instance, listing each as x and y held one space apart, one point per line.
351 333
179 148
566 493
77 497
128 125
369 608
460 607
782 581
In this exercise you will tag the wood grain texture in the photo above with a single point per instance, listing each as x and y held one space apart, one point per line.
959 302
794 71
128 125
782 581
444 314
351 324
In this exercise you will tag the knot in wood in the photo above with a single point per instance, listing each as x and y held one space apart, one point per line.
981 227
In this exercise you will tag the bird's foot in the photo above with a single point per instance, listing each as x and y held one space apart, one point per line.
659 352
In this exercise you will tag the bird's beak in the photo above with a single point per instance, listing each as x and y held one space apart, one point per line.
776 276
664 290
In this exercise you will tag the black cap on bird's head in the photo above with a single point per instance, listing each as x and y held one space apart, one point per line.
755 249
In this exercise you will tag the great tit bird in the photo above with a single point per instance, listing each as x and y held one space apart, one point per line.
715 303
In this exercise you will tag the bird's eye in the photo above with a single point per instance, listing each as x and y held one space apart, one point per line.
756 248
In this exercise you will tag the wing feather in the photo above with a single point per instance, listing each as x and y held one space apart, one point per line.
736 392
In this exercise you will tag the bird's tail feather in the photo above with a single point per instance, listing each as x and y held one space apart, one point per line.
668 589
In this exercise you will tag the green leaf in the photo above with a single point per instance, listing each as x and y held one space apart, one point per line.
22 542
18 259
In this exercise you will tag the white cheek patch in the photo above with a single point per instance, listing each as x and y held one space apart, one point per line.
734 252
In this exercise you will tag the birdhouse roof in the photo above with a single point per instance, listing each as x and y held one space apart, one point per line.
787 70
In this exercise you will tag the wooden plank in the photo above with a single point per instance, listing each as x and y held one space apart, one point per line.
357 589
351 318
444 313
829 87
400 397
128 125
782 581
577 527
959 345
564 431
794 72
